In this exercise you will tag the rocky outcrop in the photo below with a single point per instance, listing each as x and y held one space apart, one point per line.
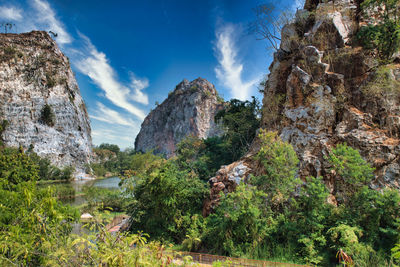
33 74
321 92
189 110
226 180
318 93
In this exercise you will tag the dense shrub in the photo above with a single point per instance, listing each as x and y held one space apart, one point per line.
241 119
164 199
385 35
47 115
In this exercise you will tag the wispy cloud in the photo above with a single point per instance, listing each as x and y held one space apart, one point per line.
123 136
10 13
97 67
40 15
46 19
229 71
110 116
138 85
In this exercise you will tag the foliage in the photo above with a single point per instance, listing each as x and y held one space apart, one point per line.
47 171
47 115
104 199
16 167
3 126
51 81
240 223
382 84
241 120
102 248
384 87
352 171
385 35
110 147
9 53
110 160
280 166
164 199
203 157
30 217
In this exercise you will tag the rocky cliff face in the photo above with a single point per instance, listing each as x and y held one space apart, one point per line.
34 73
323 90
188 110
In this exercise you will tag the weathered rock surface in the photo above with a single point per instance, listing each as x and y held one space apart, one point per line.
315 98
33 73
322 102
189 110
226 180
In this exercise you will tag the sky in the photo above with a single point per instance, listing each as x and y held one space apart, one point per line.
127 55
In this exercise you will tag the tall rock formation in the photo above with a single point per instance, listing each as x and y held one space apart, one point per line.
323 90
328 90
188 110
34 74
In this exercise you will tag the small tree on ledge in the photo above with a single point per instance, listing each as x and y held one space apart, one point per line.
47 115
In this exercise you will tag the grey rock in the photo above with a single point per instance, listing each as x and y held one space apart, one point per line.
38 74
189 110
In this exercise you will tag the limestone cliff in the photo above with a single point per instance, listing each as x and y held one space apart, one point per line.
33 74
326 86
322 90
188 110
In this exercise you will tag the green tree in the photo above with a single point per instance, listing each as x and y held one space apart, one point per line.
30 218
385 35
164 199
352 171
240 224
280 167
47 115
241 120
110 147
203 157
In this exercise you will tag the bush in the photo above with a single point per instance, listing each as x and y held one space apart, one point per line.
352 171
47 115
47 171
104 199
51 82
280 166
384 36
241 120
240 223
164 200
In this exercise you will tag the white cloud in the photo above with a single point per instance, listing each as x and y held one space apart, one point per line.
229 71
110 116
122 136
10 13
46 19
298 4
138 85
97 67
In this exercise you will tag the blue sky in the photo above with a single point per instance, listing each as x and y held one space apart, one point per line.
127 55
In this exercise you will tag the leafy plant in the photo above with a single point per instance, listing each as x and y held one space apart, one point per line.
280 166
385 35
47 115
352 171
241 120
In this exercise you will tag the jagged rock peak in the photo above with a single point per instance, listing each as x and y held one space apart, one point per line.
325 80
189 110
35 74
320 93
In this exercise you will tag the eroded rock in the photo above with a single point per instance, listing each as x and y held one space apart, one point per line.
33 73
189 110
